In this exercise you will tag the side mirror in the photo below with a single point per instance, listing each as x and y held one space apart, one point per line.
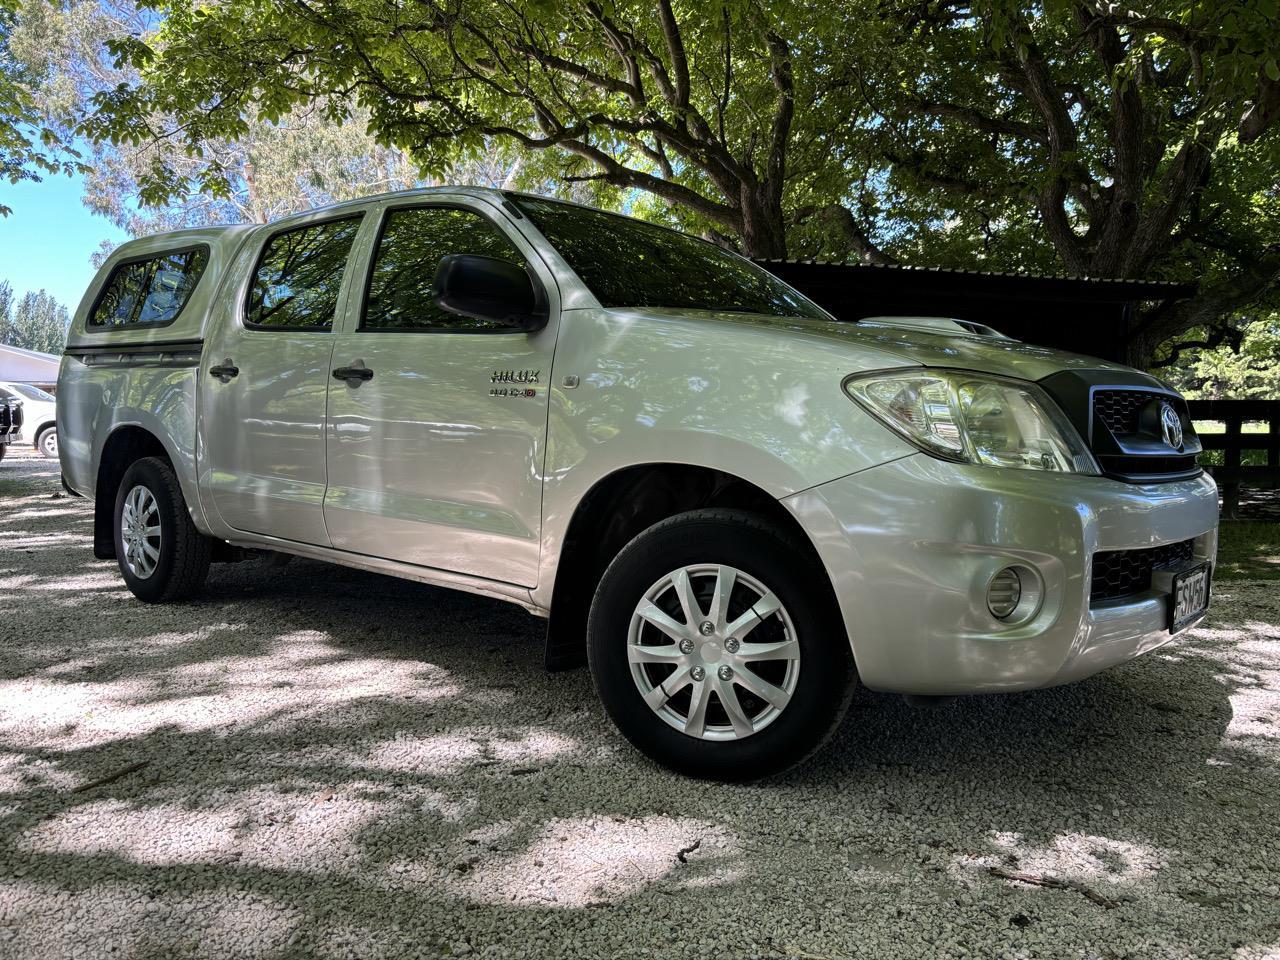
489 289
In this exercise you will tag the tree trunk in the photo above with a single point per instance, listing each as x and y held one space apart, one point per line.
764 229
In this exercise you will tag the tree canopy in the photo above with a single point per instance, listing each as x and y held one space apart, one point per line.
1246 369
302 159
1075 136
29 148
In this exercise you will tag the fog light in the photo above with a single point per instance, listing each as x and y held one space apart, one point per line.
1004 593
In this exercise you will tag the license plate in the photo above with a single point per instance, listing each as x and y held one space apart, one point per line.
1189 598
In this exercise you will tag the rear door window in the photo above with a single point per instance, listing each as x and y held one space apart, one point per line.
149 292
299 277
402 281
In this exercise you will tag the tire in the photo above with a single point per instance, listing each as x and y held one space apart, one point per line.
47 443
180 563
4 448
813 665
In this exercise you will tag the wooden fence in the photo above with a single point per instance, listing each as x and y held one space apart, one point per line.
1233 443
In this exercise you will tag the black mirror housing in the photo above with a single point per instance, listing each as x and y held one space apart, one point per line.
488 288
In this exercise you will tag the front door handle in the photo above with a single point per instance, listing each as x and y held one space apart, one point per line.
353 375
225 371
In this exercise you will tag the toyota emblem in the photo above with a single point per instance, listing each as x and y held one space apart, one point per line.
1171 426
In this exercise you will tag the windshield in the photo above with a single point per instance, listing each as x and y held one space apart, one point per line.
630 263
32 393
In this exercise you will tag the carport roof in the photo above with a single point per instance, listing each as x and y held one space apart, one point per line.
972 282
1090 315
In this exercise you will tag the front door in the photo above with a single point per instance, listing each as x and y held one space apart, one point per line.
265 386
436 449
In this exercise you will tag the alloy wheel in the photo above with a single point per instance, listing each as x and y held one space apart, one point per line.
713 652
140 532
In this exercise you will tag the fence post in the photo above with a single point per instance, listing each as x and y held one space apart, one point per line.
1231 460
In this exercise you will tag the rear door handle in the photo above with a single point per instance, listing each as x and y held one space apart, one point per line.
353 375
225 371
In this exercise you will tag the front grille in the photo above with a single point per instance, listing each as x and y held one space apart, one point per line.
1119 408
1126 573
1119 415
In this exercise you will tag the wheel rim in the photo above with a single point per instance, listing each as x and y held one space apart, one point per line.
140 532
713 652
49 444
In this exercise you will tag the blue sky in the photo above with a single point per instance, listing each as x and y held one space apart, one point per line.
47 241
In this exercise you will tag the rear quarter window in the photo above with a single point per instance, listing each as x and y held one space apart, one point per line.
148 291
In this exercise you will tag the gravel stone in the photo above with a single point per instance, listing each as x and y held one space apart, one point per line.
346 765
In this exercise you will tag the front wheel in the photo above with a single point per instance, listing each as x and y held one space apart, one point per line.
162 556
716 646
47 443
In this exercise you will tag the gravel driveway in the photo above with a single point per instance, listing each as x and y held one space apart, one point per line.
324 763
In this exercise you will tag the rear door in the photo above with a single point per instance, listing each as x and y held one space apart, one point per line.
268 362
436 458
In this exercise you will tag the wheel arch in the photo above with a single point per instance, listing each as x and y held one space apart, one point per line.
124 446
618 507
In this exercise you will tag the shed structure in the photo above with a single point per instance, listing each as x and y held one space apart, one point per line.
1082 314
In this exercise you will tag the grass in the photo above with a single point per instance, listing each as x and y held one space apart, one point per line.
1248 458
1248 550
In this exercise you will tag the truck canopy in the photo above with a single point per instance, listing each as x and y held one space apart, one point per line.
156 289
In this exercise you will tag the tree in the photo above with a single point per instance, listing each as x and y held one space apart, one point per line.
1136 140
1246 370
36 322
703 109
296 161
1116 140
28 146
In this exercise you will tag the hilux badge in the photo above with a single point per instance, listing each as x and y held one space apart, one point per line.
1171 426
515 376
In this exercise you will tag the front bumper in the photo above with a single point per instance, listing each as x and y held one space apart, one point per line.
911 545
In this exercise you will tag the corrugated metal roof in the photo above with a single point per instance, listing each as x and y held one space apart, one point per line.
963 272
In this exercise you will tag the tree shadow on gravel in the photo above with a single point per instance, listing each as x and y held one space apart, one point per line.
340 763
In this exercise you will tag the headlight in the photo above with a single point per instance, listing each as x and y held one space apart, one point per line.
974 418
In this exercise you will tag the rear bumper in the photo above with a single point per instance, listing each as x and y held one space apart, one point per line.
911 545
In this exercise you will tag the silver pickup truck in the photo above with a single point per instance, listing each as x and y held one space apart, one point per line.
732 506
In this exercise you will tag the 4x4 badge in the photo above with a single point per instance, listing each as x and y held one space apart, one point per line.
515 376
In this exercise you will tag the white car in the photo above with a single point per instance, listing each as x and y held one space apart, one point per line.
729 503
40 427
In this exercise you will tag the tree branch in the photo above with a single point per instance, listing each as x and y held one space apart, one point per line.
843 220
1207 309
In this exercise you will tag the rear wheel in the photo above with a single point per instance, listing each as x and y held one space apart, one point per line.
47 442
716 647
162 556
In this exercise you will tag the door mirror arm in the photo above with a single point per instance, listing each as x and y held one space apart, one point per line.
488 288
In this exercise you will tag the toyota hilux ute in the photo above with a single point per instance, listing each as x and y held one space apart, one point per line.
732 506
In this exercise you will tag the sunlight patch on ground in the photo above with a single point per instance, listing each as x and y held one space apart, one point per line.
1070 856
295 675
586 860
310 831
71 584
32 541
31 514
1250 656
